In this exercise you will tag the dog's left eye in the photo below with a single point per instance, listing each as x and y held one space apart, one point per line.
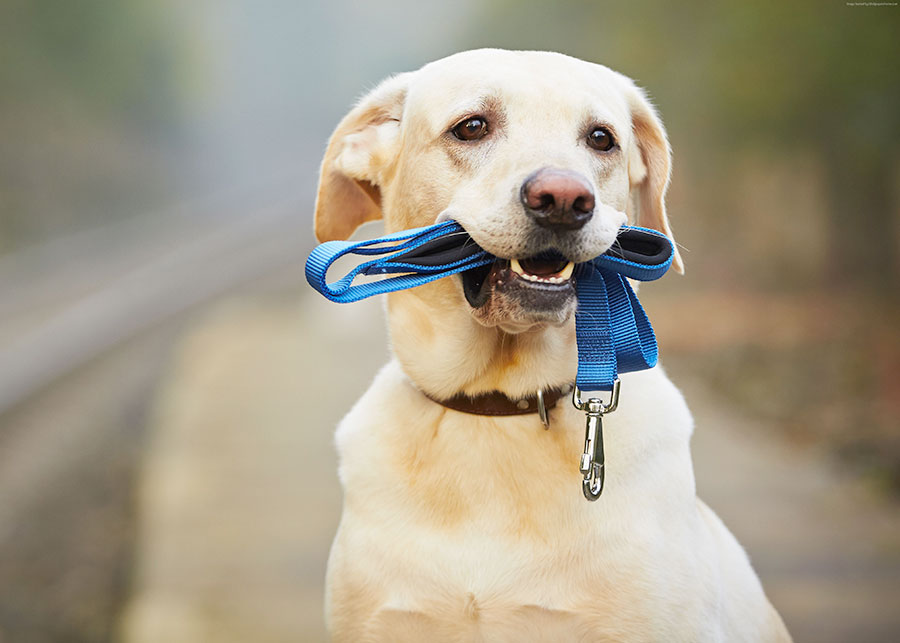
601 139
470 129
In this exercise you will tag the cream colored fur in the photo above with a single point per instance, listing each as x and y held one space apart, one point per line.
459 527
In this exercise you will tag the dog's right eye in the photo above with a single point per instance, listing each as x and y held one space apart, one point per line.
470 129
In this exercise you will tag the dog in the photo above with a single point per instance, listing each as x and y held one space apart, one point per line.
469 527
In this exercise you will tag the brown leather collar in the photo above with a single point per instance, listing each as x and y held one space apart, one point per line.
496 403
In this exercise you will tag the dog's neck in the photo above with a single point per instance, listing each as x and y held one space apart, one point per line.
445 351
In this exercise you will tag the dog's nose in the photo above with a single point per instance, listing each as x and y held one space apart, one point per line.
558 199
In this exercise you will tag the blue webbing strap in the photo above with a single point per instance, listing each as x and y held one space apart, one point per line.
611 328
394 245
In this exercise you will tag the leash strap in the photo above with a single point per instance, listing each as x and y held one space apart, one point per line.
416 256
612 330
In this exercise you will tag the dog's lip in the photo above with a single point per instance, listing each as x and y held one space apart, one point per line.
548 272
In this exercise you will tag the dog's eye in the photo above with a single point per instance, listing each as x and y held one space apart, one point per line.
601 139
470 129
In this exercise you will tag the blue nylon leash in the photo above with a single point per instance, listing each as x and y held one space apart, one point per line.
395 246
611 328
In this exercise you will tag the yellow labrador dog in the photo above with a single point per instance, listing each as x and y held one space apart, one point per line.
466 527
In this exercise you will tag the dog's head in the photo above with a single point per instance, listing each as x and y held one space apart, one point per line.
541 157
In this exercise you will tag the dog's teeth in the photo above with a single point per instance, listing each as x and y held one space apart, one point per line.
560 277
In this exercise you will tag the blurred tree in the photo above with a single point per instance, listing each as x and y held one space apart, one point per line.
115 58
824 78
786 79
89 98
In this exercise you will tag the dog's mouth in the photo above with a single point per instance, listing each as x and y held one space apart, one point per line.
543 283
549 268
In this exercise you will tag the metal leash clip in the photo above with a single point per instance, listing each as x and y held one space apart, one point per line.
592 460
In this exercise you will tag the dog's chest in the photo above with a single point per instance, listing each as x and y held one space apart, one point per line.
457 528
500 598
437 586
473 622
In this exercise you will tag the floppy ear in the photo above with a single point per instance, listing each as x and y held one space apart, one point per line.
649 169
359 154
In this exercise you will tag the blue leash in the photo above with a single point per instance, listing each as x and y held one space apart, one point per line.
396 246
611 328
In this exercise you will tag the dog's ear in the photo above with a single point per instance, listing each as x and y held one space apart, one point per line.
649 168
359 154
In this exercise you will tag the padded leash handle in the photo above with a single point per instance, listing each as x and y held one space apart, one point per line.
416 256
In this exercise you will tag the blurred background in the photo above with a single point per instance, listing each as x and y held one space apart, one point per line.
169 386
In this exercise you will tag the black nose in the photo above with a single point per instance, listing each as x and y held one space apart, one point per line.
558 199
